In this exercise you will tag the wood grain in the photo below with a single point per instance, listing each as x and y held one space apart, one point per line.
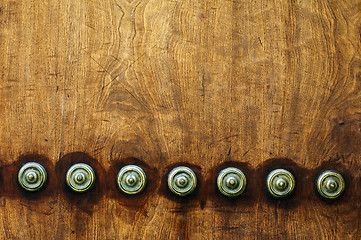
255 84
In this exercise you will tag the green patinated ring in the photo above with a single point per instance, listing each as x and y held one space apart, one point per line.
330 184
32 176
131 179
231 182
280 183
80 177
182 181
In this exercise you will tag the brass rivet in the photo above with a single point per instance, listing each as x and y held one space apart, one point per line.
131 179
330 184
32 176
280 183
231 182
80 177
182 181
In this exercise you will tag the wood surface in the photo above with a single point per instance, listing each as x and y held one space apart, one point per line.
256 84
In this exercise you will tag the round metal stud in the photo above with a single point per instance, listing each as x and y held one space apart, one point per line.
80 177
131 179
231 182
330 184
32 176
280 183
182 181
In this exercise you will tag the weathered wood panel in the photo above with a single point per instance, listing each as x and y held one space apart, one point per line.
256 84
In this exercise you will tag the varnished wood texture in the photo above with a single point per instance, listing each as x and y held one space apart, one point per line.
256 84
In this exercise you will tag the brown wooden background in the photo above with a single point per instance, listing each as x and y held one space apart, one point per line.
256 84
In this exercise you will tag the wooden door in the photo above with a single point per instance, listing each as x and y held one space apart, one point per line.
210 84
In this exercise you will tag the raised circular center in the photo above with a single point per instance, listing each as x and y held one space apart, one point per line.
281 184
131 180
31 177
331 185
181 181
79 178
231 182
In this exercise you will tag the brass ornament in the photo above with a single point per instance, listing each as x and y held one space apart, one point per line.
182 181
131 179
80 177
32 176
280 183
330 184
231 182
